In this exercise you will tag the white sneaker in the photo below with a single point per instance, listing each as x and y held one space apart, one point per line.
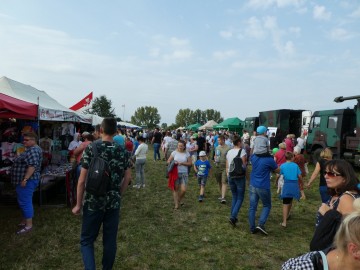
143 186
136 186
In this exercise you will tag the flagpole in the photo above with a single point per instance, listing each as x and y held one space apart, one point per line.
123 112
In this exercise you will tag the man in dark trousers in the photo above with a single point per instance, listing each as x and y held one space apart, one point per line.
156 141
102 210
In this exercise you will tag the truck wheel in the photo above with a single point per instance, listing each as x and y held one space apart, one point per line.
316 156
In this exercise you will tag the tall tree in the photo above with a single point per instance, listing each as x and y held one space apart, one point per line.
198 117
211 114
102 106
184 117
164 126
146 116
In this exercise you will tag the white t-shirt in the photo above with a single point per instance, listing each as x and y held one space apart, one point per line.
300 142
233 153
167 139
141 151
181 157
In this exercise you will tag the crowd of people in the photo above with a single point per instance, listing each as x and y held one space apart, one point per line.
202 154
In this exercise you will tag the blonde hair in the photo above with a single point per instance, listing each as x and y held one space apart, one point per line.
349 230
326 153
282 145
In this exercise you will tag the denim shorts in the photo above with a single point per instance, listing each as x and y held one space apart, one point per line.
202 180
182 179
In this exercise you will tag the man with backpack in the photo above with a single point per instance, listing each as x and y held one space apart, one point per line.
101 205
236 170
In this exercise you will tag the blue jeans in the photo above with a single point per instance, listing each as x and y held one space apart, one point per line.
91 223
25 197
324 194
265 196
237 187
139 169
156 150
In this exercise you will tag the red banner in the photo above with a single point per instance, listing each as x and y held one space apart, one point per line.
82 103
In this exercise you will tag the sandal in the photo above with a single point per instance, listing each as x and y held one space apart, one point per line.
24 230
176 208
282 225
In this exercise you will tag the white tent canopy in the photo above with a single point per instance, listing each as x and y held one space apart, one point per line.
96 120
126 124
49 108
209 125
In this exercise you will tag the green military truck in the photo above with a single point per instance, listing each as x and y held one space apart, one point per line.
338 130
251 123
283 122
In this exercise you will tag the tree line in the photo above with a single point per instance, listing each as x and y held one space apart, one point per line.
149 117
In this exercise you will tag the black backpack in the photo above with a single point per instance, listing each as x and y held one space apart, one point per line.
98 175
236 169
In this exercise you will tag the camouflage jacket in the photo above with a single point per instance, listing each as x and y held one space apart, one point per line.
118 160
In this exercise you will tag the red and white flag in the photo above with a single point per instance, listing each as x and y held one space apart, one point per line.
82 103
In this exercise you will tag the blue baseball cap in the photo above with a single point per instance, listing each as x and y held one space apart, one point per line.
261 129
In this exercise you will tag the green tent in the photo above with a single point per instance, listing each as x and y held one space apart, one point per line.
193 127
231 124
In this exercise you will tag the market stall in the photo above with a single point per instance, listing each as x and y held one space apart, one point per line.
33 110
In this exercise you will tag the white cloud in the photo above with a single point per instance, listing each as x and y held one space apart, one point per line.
177 42
179 55
271 64
340 34
320 13
154 52
356 13
168 49
289 48
226 34
254 28
284 49
222 55
264 4
270 23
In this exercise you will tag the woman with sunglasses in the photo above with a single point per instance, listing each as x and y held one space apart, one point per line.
25 176
325 156
343 186
345 252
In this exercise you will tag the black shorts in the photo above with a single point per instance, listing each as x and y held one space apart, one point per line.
287 200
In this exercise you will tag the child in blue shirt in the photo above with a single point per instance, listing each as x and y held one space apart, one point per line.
202 168
291 172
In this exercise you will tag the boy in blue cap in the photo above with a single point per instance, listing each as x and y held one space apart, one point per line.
261 143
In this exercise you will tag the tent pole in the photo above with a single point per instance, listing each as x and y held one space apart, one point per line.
38 120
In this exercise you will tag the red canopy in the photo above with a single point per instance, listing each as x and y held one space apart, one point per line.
15 108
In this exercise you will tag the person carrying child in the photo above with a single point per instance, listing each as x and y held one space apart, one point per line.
292 174
202 169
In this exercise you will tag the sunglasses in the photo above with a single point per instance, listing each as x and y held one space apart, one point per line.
331 174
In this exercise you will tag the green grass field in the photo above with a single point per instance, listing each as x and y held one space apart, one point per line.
154 236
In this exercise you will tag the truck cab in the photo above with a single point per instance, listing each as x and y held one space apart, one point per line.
330 128
251 123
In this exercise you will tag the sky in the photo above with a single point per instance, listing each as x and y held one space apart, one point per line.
237 57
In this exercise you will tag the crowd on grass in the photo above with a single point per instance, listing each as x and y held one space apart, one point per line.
225 155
